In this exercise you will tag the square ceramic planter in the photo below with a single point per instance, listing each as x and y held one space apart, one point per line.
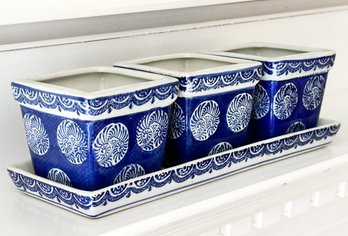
289 95
214 102
93 127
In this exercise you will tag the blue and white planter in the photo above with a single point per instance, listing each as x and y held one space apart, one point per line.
214 102
289 95
93 127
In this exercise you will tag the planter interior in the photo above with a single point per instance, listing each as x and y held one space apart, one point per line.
266 51
94 81
186 64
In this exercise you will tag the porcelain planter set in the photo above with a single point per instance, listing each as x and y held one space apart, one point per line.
113 127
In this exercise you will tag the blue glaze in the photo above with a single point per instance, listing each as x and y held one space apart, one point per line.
289 95
267 123
89 174
215 81
193 143
186 148
212 107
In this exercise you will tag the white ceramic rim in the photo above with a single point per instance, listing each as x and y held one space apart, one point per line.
309 52
154 80
238 64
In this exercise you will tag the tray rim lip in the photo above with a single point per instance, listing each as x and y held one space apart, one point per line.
15 168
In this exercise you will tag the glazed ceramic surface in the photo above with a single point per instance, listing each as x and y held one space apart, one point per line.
94 127
172 180
289 95
214 102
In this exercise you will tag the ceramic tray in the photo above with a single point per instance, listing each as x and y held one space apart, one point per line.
162 183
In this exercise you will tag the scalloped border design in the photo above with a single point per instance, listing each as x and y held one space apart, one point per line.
196 84
92 107
298 66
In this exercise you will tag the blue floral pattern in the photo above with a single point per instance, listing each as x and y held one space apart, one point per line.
152 130
205 120
59 176
36 134
261 102
239 112
220 147
111 144
177 124
72 141
129 172
313 92
217 165
285 101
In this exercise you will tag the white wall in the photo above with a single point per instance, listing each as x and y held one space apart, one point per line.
52 19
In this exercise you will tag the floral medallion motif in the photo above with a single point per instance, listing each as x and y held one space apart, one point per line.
261 102
36 134
58 176
129 172
177 122
295 127
111 144
239 112
313 92
152 130
72 141
285 101
220 147
205 120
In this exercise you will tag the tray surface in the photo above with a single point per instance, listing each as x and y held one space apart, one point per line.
155 185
